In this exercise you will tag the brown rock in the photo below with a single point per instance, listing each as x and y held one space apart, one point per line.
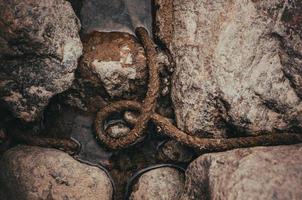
237 66
163 183
39 48
40 173
253 173
116 61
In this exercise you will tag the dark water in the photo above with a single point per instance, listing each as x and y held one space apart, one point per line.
121 165
116 15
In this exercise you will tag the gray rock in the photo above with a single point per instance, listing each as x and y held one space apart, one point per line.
163 183
238 65
39 51
40 173
253 173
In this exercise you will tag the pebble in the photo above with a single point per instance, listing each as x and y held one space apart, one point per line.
130 117
117 130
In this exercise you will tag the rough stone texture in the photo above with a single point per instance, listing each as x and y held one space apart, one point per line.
163 183
39 173
116 61
39 48
238 66
254 173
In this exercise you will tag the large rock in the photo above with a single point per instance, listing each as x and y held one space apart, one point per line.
115 61
40 173
254 173
238 65
162 183
39 48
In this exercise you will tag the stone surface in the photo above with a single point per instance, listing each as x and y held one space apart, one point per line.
39 48
253 173
39 173
117 62
238 65
162 183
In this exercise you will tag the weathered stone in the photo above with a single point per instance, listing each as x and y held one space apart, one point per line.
39 51
40 173
162 183
117 62
238 66
253 173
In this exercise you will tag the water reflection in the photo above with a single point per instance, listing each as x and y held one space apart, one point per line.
116 15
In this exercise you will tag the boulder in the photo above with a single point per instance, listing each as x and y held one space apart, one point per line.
41 173
252 173
115 61
238 65
39 48
162 183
